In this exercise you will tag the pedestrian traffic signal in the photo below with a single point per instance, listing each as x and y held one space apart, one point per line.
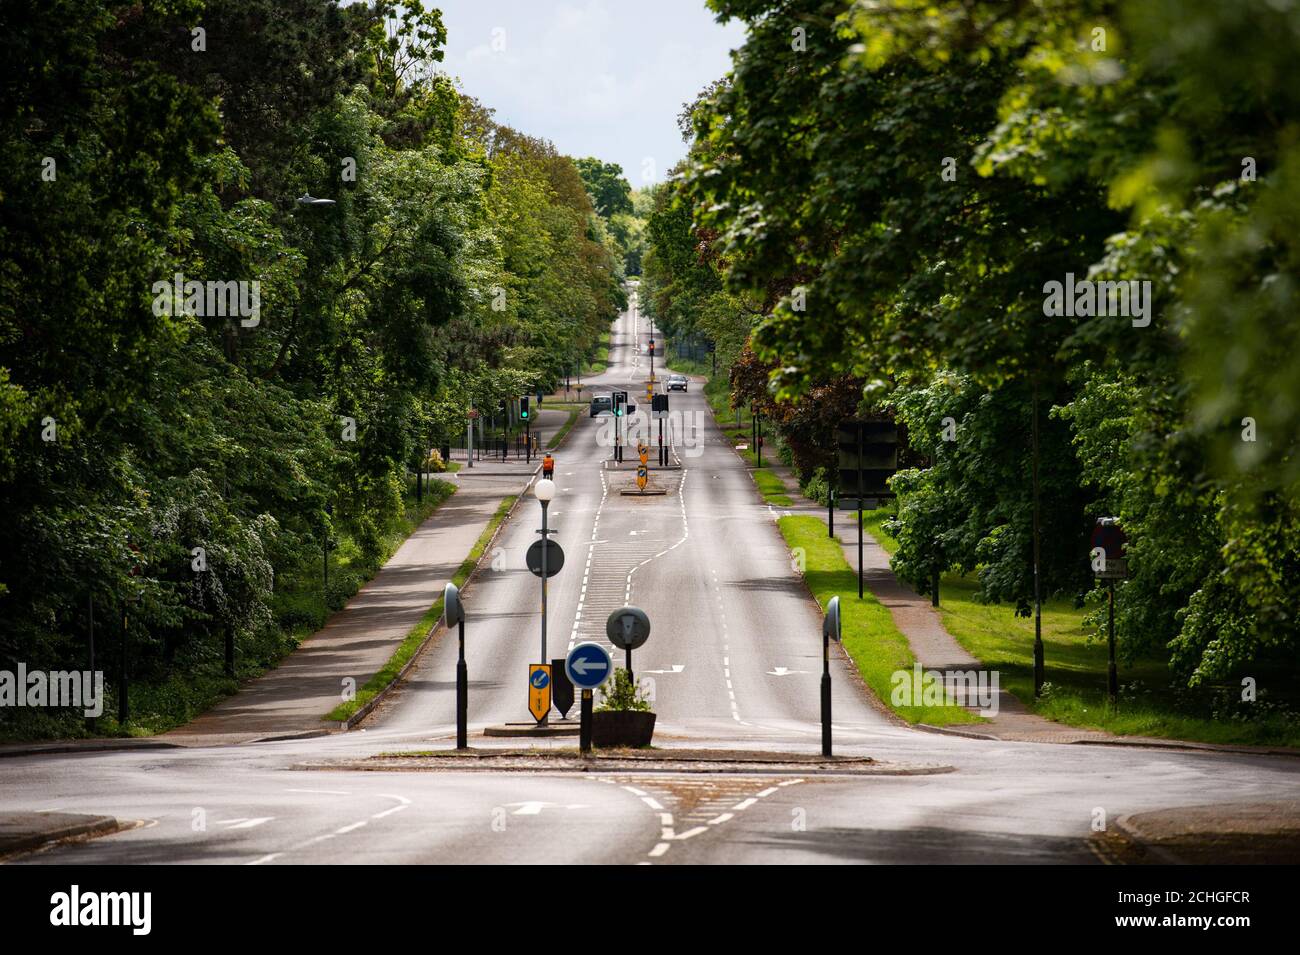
523 408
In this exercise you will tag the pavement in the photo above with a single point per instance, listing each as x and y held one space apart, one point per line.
735 658
357 641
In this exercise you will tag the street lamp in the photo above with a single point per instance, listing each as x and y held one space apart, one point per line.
545 491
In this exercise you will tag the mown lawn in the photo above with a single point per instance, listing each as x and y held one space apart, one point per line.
1076 665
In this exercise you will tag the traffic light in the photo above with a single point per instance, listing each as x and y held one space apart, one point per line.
620 399
523 408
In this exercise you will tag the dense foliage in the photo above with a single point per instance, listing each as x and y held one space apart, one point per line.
186 468
891 189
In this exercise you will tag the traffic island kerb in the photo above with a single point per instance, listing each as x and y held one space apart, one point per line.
649 759
22 832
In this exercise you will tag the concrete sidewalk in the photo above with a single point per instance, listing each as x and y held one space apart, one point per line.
357 641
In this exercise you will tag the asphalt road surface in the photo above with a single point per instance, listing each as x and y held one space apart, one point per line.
735 659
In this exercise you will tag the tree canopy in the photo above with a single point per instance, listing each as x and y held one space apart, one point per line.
885 195
185 463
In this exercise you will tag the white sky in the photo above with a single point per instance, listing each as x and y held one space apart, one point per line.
602 78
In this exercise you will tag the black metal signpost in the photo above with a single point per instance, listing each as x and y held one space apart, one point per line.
123 697
868 458
618 402
544 559
830 631
528 428
584 723
454 613
90 620
1111 565
123 693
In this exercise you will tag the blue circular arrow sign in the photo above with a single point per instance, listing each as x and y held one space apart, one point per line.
540 679
588 665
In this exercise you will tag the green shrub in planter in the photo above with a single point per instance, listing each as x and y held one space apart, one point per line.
623 717
626 696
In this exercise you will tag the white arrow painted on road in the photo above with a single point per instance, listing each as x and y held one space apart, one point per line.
782 671
581 666
535 808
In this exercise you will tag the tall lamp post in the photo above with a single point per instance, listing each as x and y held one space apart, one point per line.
545 491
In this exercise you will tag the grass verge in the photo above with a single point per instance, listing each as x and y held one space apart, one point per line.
1076 664
772 488
877 647
687 366
417 634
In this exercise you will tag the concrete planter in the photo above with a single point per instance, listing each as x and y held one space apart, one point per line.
622 728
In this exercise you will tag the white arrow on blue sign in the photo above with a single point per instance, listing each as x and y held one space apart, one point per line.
588 665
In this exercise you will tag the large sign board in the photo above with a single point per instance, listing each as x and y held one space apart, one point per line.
867 457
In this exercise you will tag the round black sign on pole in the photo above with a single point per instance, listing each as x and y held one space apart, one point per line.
628 628
554 558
